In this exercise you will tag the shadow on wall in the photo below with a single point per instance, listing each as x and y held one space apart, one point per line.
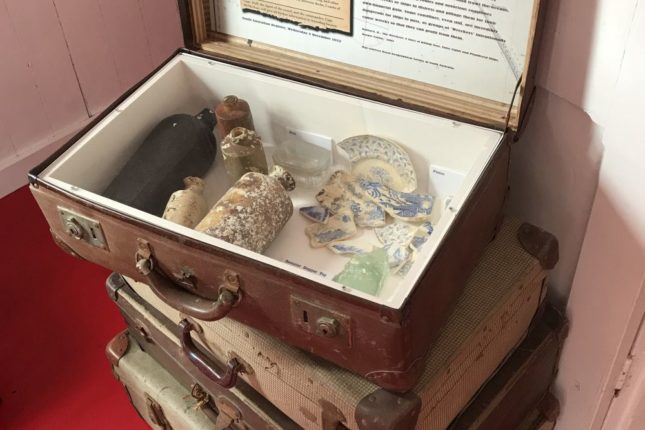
554 175
565 63
554 166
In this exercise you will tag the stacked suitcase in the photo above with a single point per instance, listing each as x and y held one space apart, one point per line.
491 366
221 337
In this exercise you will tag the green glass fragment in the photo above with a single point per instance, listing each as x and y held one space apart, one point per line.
365 272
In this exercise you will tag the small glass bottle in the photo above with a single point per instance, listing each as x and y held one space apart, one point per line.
253 211
233 112
243 152
188 206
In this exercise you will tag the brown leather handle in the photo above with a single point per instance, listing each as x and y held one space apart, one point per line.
203 363
182 300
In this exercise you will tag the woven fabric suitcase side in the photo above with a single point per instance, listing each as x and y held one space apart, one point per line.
492 317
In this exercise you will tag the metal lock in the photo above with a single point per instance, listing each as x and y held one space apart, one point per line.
317 319
198 393
327 327
83 228
74 229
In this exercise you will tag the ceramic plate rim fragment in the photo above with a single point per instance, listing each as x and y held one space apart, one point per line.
364 147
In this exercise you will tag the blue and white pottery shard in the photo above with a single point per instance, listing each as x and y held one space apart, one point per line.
380 160
403 206
404 268
315 213
396 240
333 195
342 192
346 248
367 214
399 232
421 235
338 227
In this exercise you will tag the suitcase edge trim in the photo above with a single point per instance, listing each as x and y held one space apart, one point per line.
117 348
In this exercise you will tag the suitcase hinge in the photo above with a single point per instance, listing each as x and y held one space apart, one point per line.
155 413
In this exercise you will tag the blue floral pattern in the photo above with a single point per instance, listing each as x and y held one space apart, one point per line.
406 206
368 146
338 227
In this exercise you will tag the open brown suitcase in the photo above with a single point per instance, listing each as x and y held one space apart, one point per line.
516 398
457 132
491 318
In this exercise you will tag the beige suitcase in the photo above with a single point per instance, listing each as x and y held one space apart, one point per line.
517 397
491 318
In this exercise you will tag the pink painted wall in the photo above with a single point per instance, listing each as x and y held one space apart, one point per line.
64 60
579 171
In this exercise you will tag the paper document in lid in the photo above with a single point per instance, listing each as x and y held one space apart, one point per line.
473 48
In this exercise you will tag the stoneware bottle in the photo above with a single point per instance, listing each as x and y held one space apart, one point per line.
253 211
233 112
187 207
243 152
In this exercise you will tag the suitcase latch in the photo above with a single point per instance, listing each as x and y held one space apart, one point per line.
83 228
316 319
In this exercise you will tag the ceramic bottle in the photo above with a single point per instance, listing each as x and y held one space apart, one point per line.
253 211
233 112
243 152
187 207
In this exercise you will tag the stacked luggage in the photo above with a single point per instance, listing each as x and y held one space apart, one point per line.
490 368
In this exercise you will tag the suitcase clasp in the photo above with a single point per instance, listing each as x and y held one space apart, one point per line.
83 228
315 318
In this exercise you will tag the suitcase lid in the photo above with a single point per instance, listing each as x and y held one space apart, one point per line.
468 60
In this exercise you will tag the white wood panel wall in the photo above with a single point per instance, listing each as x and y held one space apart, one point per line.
63 61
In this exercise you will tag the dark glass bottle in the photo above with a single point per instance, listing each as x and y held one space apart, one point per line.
179 146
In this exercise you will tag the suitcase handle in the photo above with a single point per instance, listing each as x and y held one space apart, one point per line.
203 363
182 300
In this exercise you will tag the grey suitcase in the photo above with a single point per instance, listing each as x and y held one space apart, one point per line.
164 403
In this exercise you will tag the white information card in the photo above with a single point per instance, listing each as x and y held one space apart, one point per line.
475 47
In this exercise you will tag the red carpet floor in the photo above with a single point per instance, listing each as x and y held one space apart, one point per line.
55 320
